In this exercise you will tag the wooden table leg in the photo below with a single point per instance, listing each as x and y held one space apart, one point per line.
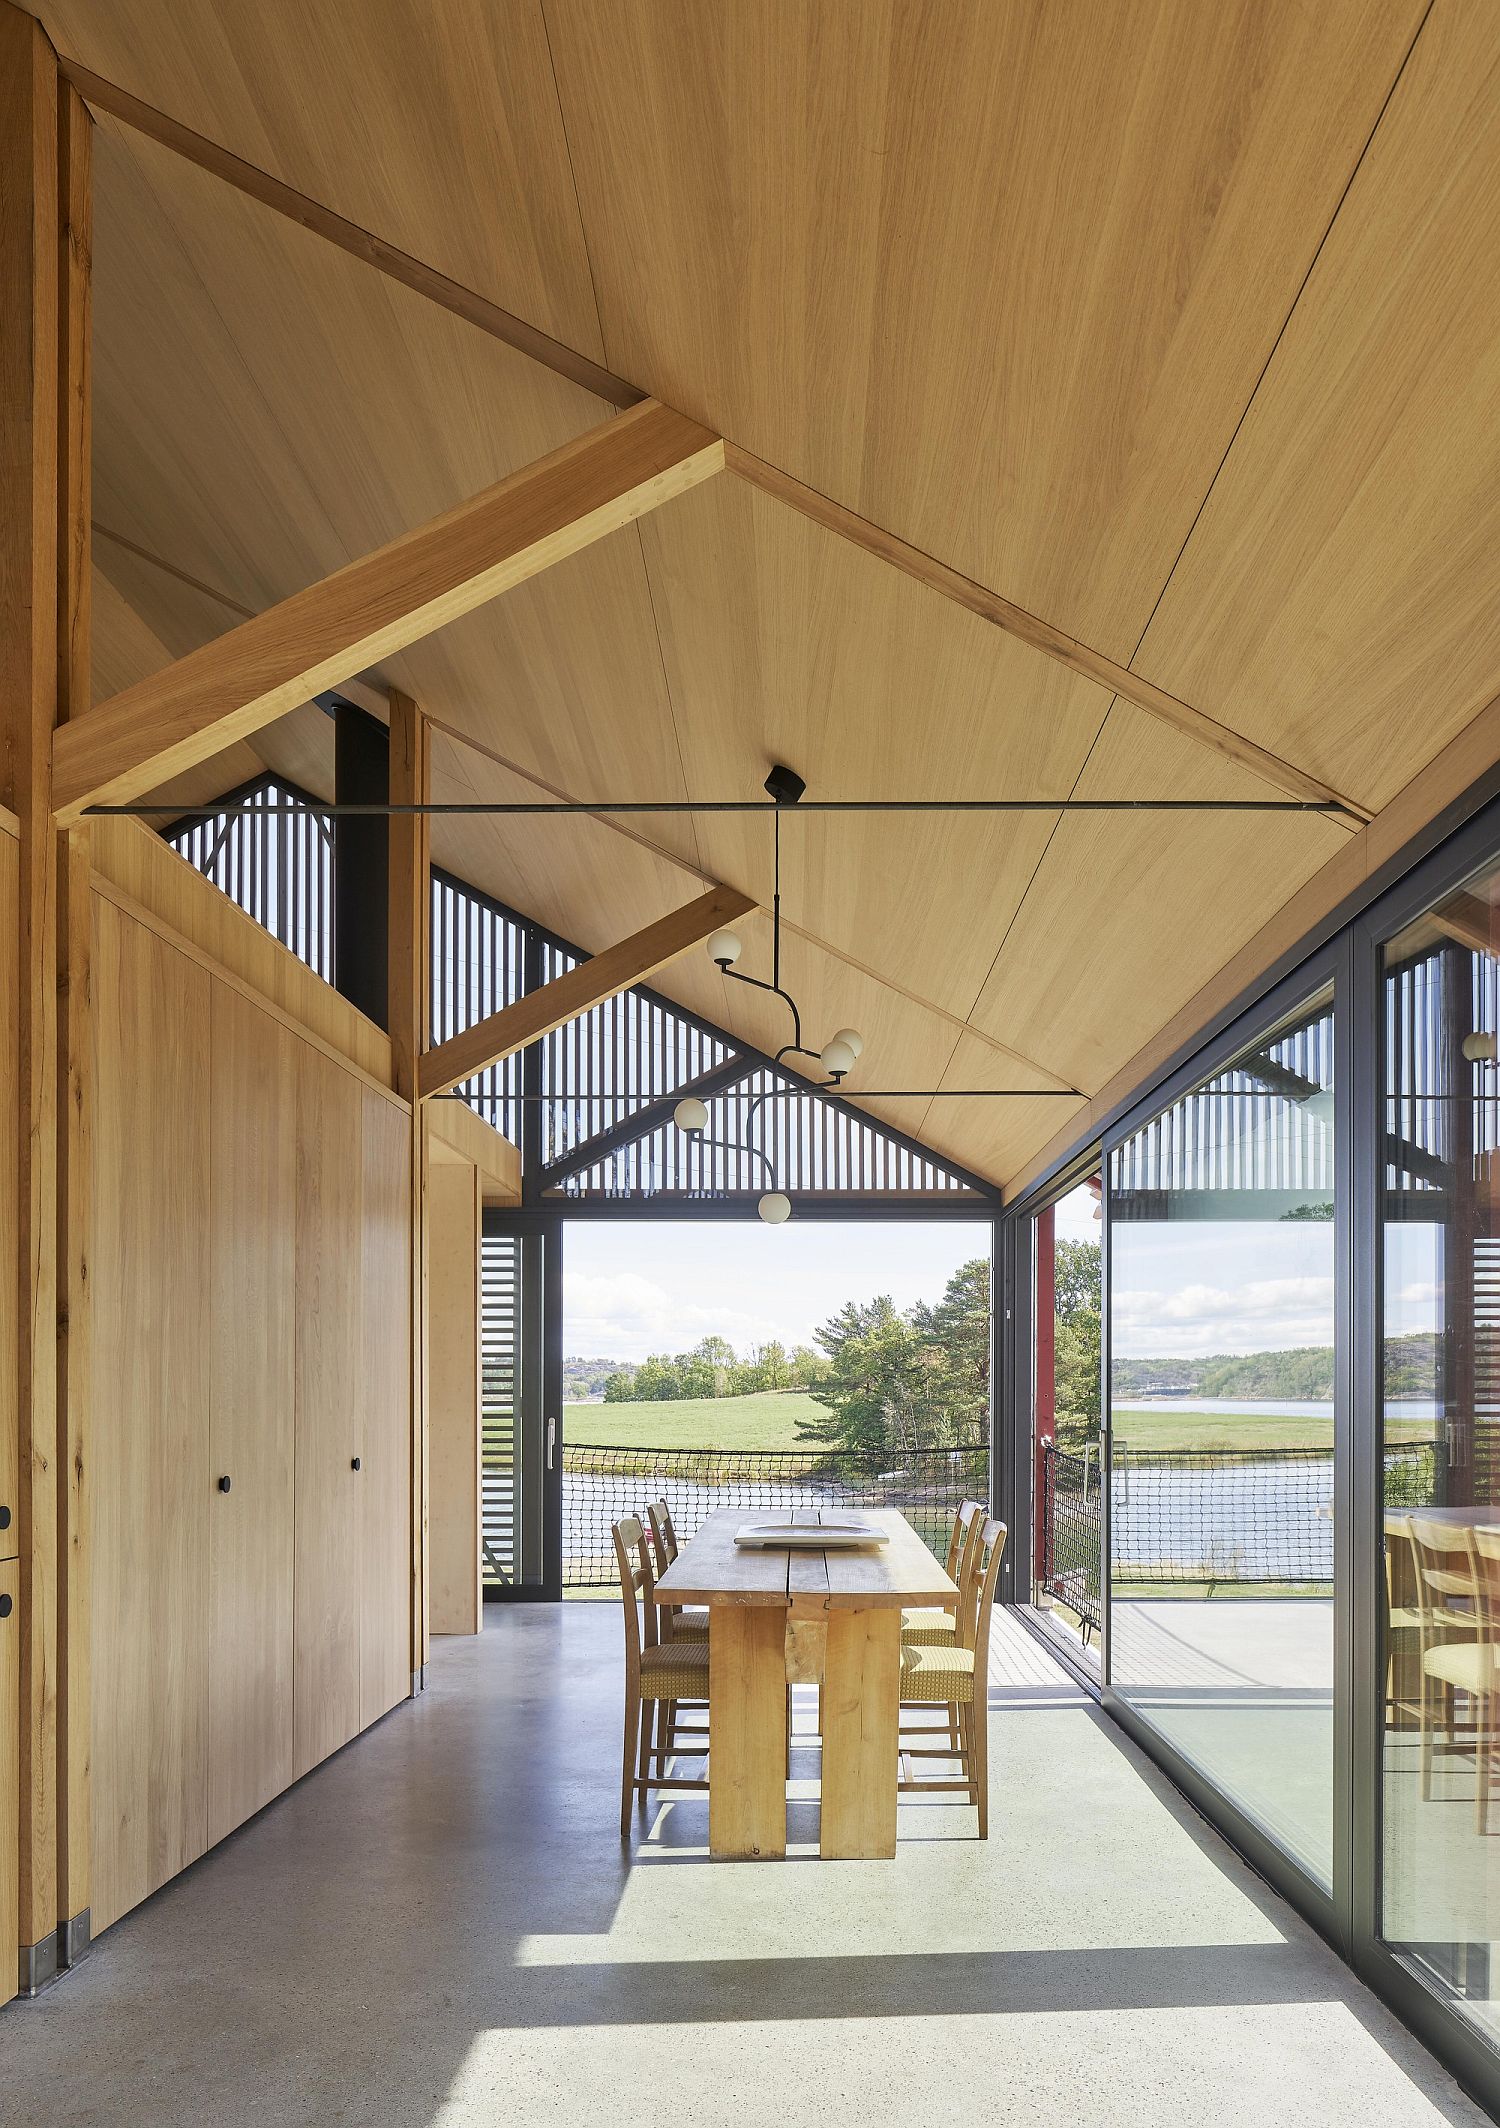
861 1708
747 1730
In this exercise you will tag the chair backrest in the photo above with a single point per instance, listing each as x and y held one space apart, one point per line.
633 1558
1487 1579
663 1535
963 1522
984 1573
1445 1574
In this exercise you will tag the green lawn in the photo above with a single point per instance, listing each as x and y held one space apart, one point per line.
1221 1429
768 1421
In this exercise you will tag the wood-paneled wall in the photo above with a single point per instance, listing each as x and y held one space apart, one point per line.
455 1214
252 1223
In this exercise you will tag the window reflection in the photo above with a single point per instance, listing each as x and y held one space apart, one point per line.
1221 1300
1441 1422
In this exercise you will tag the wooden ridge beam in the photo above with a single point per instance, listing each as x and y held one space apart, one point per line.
1036 633
617 968
311 214
418 583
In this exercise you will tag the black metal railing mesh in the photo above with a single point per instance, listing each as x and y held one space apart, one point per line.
1205 1518
601 1484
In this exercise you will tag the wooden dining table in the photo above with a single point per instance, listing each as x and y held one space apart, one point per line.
794 1616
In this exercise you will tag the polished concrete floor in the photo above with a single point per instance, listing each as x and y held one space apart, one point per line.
440 1927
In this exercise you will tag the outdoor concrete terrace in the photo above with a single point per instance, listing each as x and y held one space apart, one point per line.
440 1927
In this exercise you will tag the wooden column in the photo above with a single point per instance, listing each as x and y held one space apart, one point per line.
410 1022
44 562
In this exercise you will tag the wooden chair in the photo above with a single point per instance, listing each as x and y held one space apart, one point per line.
680 1621
658 1674
957 1678
937 1628
1458 1654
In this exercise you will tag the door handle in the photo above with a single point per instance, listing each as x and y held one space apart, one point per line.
552 1444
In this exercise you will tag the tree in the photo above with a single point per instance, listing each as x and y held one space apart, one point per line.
1078 1342
619 1387
895 1383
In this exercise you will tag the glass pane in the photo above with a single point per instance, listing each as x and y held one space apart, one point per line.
1067 1437
1221 1323
1441 1417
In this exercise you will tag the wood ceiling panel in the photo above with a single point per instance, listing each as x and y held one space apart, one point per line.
1001 277
783 642
1339 600
436 127
1127 917
268 408
993 1137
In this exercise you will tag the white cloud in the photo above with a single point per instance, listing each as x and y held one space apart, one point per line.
1262 1314
621 1315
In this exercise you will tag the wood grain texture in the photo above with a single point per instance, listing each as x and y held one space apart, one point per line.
310 214
330 1386
152 1357
998 278
861 1712
385 1434
375 606
747 1731
452 108
409 992
1338 597
33 329
75 1368
130 857
252 1121
454 1132
632 960
454 1213
10 1770
1037 634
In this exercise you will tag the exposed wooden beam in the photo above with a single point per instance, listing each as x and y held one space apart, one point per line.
1038 634
257 672
617 968
34 548
374 251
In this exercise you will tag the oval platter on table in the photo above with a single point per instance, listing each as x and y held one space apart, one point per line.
811 1536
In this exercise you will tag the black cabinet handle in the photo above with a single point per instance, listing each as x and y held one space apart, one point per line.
5 1607
354 1465
224 1484
4 1518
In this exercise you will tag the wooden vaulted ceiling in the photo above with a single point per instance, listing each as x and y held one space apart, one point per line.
1172 324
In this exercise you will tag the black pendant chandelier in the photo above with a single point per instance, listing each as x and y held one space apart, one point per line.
839 1053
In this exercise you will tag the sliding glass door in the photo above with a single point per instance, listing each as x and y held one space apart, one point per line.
1221 1428
521 1407
1440 1446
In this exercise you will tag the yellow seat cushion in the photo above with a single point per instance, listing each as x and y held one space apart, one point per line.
678 1669
937 1676
1469 1665
928 1629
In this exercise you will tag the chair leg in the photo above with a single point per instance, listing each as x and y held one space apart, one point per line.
979 1725
650 1720
627 1783
1482 1762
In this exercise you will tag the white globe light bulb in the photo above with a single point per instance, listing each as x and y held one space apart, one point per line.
775 1209
837 1057
690 1116
1479 1048
724 947
854 1039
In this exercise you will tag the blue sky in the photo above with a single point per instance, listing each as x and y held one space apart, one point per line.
638 1287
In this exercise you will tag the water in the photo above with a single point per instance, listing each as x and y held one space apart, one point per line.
1245 1522
1271 1408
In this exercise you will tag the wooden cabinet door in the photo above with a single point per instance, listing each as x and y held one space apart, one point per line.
149 1415
329 1384
253 1209
455 1214
385 1622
